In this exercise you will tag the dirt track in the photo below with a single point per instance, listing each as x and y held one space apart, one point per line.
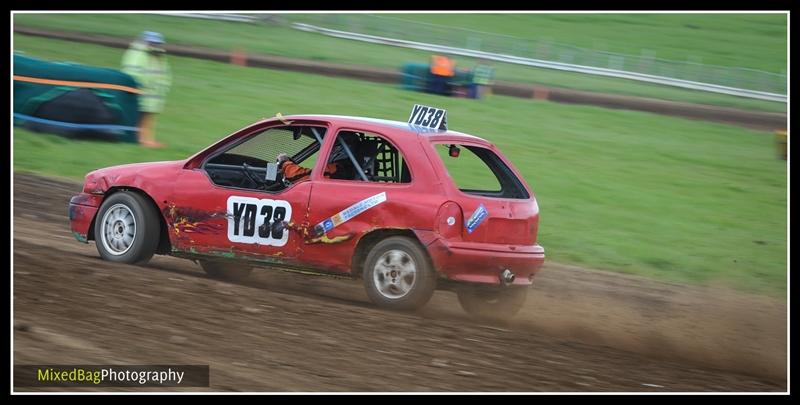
580 331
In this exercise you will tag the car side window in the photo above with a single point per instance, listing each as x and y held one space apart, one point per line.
264 147
364 156
479 171
245 164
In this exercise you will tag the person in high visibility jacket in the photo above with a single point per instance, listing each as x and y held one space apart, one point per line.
442 69
146 61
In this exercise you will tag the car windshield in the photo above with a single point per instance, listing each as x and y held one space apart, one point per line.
245 164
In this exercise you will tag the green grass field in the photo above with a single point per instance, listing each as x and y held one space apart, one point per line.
756 41
625 191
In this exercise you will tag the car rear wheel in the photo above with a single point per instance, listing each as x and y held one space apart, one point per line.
398 274
492 303
127 228
225 271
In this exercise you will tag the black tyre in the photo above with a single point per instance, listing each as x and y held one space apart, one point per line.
492 303
225 271
398 274
127 228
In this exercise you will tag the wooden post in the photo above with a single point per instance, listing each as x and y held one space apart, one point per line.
238 57
540 93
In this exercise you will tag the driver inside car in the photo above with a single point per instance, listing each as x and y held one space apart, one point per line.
293 172
337 168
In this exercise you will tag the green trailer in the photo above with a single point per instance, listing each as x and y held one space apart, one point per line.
75 100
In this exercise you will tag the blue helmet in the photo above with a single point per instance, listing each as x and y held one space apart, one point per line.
152 37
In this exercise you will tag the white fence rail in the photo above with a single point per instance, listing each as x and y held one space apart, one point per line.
520 60
222 17
715 88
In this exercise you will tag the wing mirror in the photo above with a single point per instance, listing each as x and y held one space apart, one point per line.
454 151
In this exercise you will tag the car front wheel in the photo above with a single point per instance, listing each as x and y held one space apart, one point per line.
398 274
127 228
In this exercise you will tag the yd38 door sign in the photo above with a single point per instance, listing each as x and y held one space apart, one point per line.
254 220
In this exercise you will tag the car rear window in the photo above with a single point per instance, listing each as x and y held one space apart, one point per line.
480 171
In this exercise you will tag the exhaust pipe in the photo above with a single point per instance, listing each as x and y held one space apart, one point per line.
507 277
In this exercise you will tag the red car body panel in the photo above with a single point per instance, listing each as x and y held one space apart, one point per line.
156 179
197 212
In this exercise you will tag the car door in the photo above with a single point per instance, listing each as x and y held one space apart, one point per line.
220 208
343 208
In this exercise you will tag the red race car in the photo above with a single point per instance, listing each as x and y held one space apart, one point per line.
407 206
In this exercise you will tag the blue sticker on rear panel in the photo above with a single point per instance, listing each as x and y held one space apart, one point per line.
477 217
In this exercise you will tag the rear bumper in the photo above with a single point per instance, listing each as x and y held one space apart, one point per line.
82 209
484 262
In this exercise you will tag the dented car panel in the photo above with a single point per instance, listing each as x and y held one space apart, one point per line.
320 222
152 179
207 219
82 210
482 263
